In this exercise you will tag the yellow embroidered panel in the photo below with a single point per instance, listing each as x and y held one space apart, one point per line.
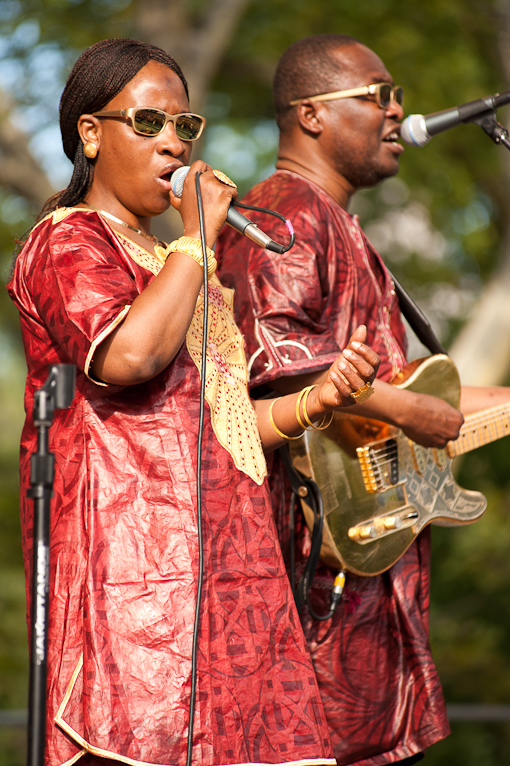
60 213
141 256
232 415
56 215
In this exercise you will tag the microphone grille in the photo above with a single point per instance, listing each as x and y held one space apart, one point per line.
178 178
414 130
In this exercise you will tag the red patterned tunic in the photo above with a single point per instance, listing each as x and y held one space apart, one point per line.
380 688
124 545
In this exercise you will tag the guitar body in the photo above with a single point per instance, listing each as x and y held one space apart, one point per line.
379 488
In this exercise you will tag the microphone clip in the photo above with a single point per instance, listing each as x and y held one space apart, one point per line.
493 128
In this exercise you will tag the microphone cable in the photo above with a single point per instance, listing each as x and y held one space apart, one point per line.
279 248
237 220
203 376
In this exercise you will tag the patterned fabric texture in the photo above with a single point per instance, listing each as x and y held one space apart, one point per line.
378 682
124 540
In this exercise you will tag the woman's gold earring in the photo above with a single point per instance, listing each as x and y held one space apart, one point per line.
90 150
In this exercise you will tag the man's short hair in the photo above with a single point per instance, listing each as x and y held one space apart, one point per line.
306 69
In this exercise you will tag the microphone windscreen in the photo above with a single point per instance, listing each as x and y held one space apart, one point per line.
414 130
178 178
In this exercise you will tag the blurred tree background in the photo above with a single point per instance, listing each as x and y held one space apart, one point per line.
442 225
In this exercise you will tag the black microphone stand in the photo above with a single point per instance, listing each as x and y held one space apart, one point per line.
57 393
493 128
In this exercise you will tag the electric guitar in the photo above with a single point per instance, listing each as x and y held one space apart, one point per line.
379 488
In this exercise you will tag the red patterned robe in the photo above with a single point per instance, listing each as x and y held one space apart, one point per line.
124 540
378 682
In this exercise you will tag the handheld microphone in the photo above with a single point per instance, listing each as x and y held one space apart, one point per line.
418 129
237 220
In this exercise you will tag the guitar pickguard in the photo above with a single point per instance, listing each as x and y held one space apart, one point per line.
379 488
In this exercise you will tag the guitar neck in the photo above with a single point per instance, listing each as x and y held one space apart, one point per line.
481 428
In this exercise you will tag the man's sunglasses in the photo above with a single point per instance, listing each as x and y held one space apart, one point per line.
150 122
384 94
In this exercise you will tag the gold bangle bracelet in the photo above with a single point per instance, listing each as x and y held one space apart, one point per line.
326 419
325 422
275 427
193 248
298 406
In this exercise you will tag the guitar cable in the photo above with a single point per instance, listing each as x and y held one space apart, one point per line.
304 487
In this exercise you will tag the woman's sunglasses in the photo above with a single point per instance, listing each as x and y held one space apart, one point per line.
150 122
384 94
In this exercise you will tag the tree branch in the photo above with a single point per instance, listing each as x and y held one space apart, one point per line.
197 43
19 171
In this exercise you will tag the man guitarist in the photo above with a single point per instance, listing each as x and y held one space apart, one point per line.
377 678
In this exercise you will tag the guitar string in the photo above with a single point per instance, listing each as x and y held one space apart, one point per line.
385 459
475 421
496 426
489 432
382 450
489 422
382 453
483 419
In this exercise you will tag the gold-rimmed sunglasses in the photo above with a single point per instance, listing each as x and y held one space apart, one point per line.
147 121
384 94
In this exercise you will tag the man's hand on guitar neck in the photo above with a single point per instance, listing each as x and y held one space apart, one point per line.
427 420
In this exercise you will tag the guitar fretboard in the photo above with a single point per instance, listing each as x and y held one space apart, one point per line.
481 428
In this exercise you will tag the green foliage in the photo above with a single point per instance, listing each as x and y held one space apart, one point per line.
471 572
13 746
13 639
443 54
472 744
470 615
14 218
66 25
13 632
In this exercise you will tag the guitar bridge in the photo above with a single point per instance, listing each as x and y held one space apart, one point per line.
379 465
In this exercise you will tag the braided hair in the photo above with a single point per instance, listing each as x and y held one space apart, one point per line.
99 74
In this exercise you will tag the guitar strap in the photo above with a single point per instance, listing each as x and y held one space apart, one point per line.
417 320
